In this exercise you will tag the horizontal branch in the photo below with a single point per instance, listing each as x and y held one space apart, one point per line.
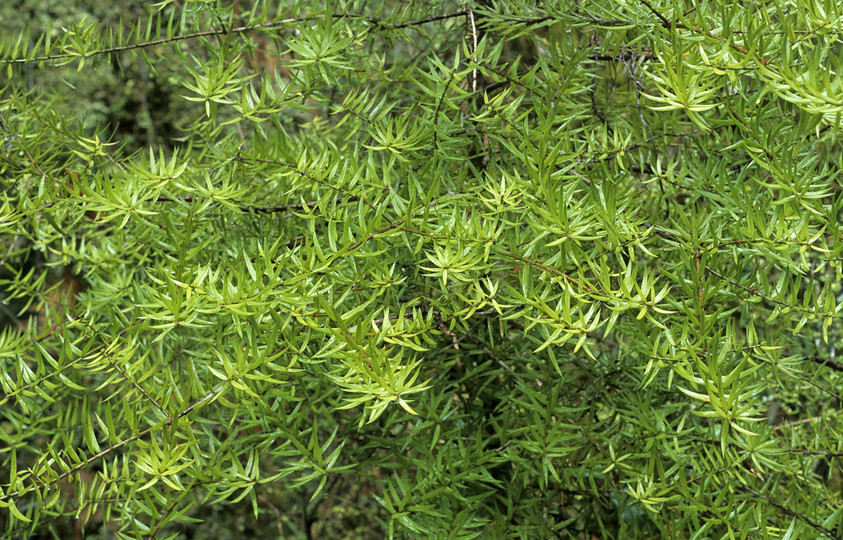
227 31
259 209
834 365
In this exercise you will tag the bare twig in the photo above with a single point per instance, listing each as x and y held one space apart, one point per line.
278 520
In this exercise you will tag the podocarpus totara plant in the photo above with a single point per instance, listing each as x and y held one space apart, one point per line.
423 270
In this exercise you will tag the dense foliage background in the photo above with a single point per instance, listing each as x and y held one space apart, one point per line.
423 269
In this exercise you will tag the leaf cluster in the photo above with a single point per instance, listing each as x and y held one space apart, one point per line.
486 270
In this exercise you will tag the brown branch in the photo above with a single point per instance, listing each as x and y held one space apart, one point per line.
611 155
626 54
435 313
114 448
421 21
137 386
834 365
808 452
225 32
355 245
194 482
801 422
665 22
679 24
258 209
305 174
546 269
791 513
278 520
754 292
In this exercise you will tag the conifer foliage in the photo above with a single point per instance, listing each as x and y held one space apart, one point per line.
565 269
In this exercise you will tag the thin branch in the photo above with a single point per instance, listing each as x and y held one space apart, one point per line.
835 366
306 175
421 21
96 457
611 155
258 209
278 519
679 24
355 245
665 22
546 268
227 31
638 87
808 452
791 513
754 292
438 110
137 386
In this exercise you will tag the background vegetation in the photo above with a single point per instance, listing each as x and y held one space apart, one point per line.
424 269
